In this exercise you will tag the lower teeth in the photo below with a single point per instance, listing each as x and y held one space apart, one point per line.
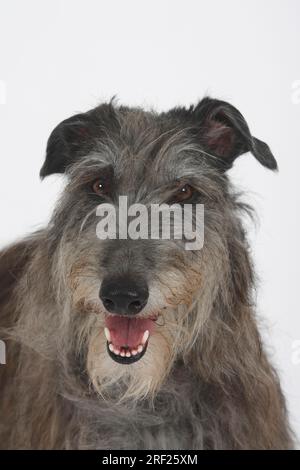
124 352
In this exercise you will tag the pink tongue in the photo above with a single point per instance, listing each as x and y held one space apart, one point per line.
127 331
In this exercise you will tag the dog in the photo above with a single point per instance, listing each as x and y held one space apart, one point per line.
139 344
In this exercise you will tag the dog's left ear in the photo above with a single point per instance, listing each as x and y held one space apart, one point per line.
224 133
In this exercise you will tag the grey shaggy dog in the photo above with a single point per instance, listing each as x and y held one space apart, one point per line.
202 379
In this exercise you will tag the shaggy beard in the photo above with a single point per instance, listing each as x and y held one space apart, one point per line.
177 330
135 381
175 334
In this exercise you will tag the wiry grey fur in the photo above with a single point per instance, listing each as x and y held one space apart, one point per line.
205 381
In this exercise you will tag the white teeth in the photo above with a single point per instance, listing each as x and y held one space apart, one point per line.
145 337
125 352
107 334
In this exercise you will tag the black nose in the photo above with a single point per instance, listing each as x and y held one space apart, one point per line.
124 296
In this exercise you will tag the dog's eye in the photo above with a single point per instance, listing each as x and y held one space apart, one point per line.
184 193
100 187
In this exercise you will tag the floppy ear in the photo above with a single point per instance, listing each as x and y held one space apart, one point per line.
77 136
225 134
66 141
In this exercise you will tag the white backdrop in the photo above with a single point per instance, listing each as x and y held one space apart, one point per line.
61 57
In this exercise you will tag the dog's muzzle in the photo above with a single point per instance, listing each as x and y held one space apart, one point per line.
127 335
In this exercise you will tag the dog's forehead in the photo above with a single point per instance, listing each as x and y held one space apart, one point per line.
148 148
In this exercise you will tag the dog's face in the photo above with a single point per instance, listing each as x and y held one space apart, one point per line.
135 305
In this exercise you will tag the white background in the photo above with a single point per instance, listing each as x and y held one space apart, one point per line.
61 57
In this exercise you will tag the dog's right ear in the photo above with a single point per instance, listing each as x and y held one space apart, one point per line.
67 141
76 136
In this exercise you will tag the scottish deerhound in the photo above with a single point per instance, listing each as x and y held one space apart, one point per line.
139 344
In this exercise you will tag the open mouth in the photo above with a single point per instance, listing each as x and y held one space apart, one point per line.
127 337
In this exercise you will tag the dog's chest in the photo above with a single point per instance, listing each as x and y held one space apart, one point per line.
172 421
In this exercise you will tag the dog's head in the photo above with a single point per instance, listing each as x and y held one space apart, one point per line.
135 304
